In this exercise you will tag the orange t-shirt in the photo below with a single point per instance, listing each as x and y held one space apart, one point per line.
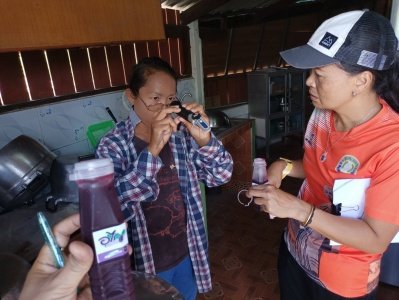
370 150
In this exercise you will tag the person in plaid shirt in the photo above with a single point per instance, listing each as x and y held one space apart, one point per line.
159 160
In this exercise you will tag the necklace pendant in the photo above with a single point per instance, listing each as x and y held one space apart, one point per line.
323 157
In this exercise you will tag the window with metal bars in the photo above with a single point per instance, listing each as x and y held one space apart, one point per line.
29 78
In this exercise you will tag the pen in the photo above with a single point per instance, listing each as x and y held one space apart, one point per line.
50 240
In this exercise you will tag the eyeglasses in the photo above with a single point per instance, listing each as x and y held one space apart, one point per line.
157 106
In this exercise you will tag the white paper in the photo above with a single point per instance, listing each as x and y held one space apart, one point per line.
351 195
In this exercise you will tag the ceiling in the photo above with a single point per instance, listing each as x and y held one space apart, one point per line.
231 13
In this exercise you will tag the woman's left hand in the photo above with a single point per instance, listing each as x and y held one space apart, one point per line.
201 137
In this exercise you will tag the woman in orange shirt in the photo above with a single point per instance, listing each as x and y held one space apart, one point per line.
346 212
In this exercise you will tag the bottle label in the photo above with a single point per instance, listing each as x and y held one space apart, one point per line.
110 242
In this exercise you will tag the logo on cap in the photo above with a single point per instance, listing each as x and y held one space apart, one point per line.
328 40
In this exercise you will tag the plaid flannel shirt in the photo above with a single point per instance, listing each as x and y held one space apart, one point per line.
135 181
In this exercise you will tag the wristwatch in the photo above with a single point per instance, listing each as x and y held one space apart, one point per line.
287 168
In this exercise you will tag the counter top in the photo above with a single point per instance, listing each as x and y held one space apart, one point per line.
238 141
236 124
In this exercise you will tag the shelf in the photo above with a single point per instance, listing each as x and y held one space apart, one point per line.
279 94
281 110
294 113
277 115
275 139
293 131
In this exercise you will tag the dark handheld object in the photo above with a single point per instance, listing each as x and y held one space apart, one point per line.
184 113
194 118
111 114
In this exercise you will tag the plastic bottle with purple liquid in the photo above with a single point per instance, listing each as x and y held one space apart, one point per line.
259 173
104 229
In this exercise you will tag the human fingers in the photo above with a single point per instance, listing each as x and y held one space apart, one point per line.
64 229
194 130
259 187
44 262
198 109
200 136
46 279
77 266
277 202
194 107
186 123
260 193
166 111
164 126
42 268
260 190
161 131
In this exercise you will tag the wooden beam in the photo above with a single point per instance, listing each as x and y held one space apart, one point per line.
200 9
227 64
277 6
284 41
286 9
258 48
302 9
281 4
182 32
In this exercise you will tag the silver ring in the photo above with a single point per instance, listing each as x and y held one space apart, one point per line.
238 198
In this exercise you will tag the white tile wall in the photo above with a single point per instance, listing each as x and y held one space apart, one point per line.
62 126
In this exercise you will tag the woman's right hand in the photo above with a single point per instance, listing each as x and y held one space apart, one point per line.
162 128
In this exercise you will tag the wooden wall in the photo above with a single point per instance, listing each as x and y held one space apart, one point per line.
225 90
47 24
31 78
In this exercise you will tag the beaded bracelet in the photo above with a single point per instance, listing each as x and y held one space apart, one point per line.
310 217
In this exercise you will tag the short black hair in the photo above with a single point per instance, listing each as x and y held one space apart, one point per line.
146 67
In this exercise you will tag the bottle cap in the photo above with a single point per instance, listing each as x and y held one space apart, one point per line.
91 169
259 162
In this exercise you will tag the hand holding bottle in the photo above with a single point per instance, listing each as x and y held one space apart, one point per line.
259 175
104 230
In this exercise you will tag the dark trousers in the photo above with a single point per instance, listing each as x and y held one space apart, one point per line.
295 284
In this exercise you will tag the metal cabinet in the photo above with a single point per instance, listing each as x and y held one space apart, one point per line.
276 101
